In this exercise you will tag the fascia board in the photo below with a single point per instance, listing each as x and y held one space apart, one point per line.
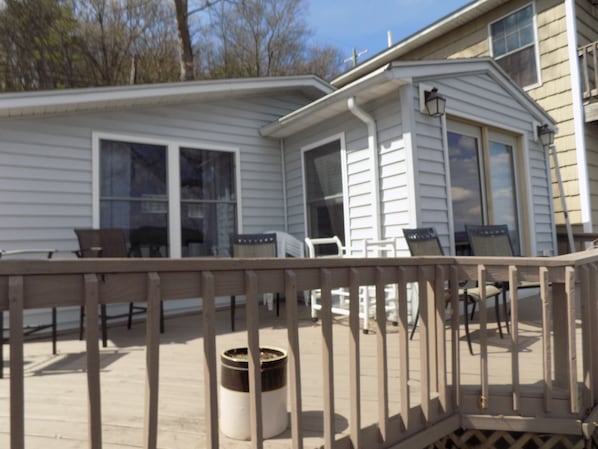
442 26
70 100
328 106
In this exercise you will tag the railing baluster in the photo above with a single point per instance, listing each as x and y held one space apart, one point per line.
354 357
571 338
424 347
403 346
485 397
152 361
210 360
513 283
592 341
586 334
255 380
439 298
294 359
381 351
594 47
584 53
455 348
17 390
546 319
327 358
93 361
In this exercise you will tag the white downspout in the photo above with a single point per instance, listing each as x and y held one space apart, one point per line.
284 186
374 168
578 117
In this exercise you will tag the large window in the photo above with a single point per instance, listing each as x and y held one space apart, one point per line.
133 194
324 191
514 45
208 201
167 208
483 179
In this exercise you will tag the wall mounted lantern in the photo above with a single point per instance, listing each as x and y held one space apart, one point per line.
546 135
435 103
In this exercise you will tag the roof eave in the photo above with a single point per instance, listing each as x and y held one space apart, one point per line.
74 100
466 13
329 105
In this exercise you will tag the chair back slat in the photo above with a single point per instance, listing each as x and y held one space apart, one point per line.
423 242
254 245
490 240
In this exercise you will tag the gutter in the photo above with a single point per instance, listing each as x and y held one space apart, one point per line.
374 167
578 117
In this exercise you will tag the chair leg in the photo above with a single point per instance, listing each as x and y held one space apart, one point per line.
54 330
466 315
81 322
104 327
506 310
497 312
414 324
130 318
277 304
232 313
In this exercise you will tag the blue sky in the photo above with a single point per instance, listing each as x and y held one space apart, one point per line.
359 24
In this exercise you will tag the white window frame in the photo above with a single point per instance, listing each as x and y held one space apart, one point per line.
343 150
525 217
172 175
536 42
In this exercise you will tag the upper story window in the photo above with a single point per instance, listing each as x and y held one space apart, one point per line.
514 45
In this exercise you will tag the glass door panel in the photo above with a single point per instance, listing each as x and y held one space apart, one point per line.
133 194
208 202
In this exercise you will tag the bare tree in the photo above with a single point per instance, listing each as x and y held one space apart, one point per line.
265 38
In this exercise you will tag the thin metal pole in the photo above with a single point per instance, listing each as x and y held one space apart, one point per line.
557 169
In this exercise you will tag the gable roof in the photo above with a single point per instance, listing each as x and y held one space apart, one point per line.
388 78
98 98
442 26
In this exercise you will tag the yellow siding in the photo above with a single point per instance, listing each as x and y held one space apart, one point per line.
554 91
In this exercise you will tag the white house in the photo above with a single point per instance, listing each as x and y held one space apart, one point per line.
182 166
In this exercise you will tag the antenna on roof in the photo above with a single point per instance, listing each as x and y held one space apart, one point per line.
354 56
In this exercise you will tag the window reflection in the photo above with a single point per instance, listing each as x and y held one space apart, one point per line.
133 195
208 202
324 188
466 188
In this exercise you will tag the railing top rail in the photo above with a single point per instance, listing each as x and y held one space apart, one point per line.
144 265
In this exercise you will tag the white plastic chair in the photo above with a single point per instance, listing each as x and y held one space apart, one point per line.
380 248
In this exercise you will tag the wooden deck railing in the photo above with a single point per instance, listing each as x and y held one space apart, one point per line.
588 56
561 401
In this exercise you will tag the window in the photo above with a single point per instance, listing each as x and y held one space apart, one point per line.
324 191
208 201
133 194
514 45
483 179
170 200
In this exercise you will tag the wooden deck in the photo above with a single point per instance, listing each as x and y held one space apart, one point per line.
56 413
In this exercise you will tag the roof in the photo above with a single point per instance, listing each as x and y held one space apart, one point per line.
442 26
97 98
388 78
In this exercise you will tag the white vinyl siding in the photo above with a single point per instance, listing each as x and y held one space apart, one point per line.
479 99
46 164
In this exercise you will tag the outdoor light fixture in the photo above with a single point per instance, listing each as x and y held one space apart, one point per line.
435 104
546 135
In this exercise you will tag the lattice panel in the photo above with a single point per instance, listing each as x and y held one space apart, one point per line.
495 439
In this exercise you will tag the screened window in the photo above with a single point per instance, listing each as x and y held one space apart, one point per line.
208 201
133 194
135 179
324 191
514 45
483 179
